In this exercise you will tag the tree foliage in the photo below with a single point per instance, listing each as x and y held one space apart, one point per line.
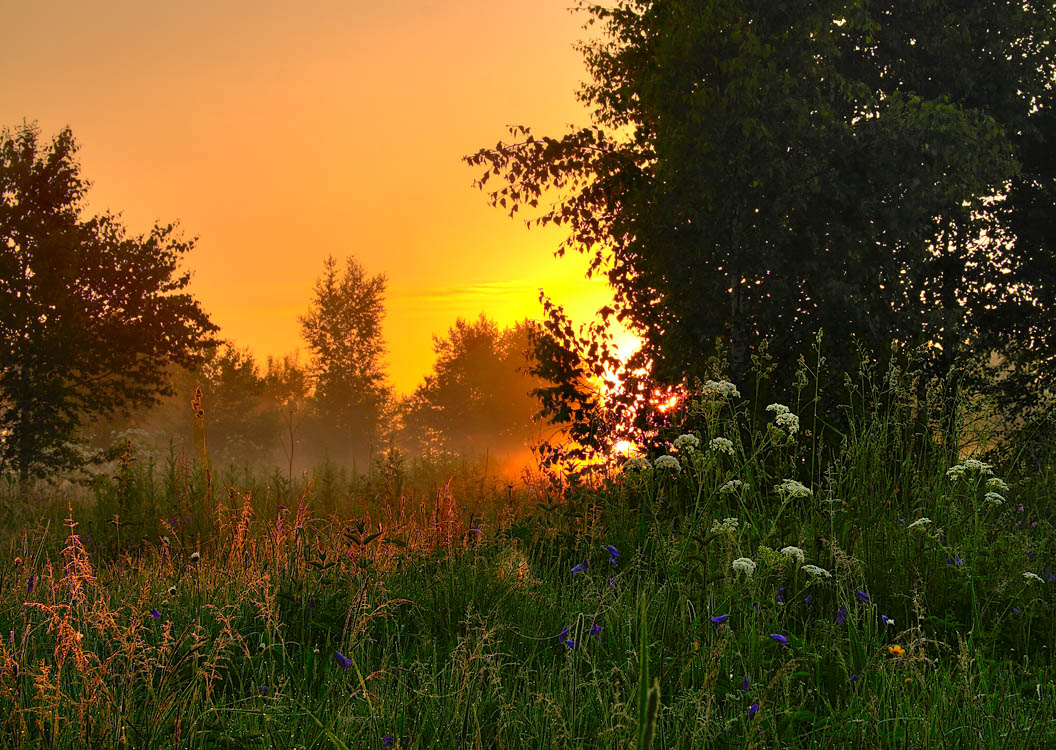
759 171
343 333
478 397
90 316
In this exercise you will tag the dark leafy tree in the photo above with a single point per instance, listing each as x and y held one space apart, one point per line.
478 397
343 333
759 171
90 316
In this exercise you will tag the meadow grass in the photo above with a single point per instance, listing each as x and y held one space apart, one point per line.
356 612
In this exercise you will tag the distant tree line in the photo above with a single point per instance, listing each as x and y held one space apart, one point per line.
100 338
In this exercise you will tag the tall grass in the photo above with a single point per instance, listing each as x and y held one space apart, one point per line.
421 608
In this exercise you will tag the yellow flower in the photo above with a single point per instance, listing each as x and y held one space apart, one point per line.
896 650
909 680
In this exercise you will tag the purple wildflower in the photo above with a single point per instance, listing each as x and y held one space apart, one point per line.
579 568
854 678
263 689
343 661
595 630
565 639
719 619
1015 611
780 596
779 638
386 741
614 554
885 619
745 685
841 616
862 596
29 584
753 710
155 613
611 579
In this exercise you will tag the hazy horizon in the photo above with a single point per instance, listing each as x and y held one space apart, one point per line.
280 137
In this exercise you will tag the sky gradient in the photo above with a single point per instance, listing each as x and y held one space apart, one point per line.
278 136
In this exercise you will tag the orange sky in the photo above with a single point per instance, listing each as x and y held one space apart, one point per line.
278 136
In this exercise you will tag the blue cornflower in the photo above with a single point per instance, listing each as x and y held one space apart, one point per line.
343 661
614 554
862 597
579 568
779 638
155 613
841 616
854 678
753 710
565 639
886 620
595 630
719 619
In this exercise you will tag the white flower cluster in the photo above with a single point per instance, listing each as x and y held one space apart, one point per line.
992 498
969 466
667 462
784 418
815 571
744 565
685 442
788 421
722 445
731 486
727 526
1033 577
795 552
997 485
720 388
920 523
792 488
636 464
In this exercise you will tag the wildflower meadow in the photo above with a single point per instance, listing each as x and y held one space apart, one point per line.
741 586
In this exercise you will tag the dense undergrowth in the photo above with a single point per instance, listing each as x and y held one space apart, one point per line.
749 590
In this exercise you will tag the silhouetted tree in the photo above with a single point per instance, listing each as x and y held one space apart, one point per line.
90 317
478 397
286 387
343 332
759 171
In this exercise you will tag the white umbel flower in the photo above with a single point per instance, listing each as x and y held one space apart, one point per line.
815 571
666 462
731 486
684 442
792 488
992 498
1033 577
920 523
722 445
636 464
778 409
727 526
720 389
744 565
795 552
997 485
788 422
